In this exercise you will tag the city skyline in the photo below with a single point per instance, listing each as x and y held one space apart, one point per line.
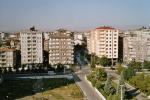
73 14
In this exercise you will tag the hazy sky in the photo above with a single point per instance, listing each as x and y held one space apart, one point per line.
73 14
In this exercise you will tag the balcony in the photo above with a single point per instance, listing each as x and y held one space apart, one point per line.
2 56
29 41
34 41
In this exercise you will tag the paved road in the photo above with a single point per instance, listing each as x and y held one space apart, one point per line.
87 89
139 95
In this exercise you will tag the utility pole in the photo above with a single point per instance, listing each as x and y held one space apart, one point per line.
121 92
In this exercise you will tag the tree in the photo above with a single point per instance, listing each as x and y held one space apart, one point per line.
119 68
104 61
108 86
110 97
116 97
98 84
0 70
147 64
121 85
60 67
135 65
93 61
143 85
113 97
128 73
100 74
121 81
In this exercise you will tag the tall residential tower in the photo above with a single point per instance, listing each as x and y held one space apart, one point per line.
31 46
103 41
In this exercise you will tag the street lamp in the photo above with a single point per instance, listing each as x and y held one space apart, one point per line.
121 92
42 93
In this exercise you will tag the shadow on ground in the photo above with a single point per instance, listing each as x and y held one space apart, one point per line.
15 89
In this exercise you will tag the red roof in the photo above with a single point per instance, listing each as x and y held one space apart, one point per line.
106 28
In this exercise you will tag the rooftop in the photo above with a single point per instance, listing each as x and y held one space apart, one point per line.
105 28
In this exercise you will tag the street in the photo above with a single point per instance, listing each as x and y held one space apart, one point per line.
88 90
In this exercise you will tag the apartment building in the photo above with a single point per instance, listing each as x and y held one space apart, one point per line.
7 57
61 47
31 46
103 41
136 45
46 45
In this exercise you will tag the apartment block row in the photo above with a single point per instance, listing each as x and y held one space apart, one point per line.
58 44
136 45
119 45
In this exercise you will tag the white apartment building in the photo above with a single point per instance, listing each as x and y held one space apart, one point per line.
7 57
103 41
31 46
61 48
137 45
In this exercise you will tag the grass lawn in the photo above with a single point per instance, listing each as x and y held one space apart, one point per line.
49 89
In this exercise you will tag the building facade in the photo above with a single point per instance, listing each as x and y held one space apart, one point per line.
7 57
103 41
31 46
137 45
61 47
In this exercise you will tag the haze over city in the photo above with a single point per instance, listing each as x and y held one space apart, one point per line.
73 14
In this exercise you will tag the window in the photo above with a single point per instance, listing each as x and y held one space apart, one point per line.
115 34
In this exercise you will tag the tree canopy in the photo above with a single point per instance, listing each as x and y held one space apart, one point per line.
147 64
135 65
128 73
104 61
